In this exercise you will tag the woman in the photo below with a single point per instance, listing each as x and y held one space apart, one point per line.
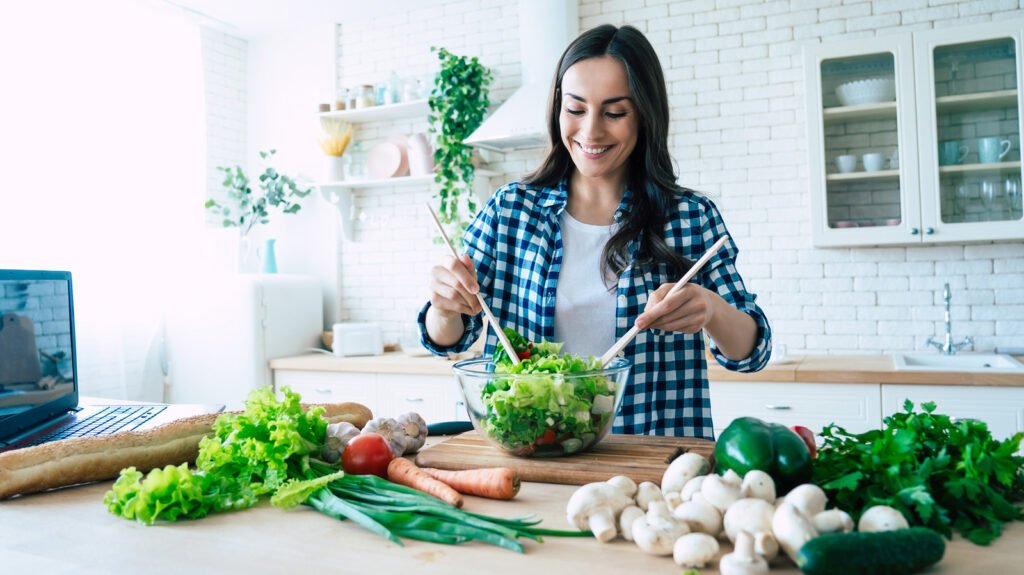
594 240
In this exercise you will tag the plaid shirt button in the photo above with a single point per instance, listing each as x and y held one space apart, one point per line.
515 242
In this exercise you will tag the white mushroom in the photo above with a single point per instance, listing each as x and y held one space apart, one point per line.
833 521
700 515
743 560
672 499
881 518
625 484
695 550
626 519
682 469
596 506
692 486
657 531
766 545
792 529
752 515
722 491
648 493
808 498
758 484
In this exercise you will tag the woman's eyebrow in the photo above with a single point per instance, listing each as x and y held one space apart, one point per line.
603 102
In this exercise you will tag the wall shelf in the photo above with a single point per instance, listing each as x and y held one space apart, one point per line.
385 113
340 193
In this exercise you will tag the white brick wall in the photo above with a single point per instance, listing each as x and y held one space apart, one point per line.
738 134
224 78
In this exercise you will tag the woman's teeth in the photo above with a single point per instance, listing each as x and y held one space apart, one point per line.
593 151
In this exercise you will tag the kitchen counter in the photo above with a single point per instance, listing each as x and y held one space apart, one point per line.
70 531
810 368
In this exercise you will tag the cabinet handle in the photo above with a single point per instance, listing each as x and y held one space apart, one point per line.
929 231
914 231
778 407
414 399
326 390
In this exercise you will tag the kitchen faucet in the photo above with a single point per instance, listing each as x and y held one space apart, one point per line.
948 347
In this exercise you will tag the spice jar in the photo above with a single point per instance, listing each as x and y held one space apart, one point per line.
366 98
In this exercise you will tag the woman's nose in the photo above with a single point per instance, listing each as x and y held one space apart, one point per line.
593 127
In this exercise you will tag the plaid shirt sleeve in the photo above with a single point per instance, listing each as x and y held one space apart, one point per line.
478 242
721 276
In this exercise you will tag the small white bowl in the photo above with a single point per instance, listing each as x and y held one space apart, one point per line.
866 91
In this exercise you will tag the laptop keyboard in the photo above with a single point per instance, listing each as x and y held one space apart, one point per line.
110 419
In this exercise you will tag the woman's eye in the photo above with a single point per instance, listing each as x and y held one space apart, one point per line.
615 115
574 112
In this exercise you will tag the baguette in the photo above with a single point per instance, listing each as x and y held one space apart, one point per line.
85 459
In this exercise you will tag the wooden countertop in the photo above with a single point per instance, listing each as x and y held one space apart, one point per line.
70 532
810 368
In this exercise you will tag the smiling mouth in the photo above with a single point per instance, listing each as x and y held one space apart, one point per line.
593 151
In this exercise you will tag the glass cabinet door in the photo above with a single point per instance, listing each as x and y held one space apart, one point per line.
971 157
861 129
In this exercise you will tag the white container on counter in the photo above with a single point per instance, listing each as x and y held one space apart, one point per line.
357 339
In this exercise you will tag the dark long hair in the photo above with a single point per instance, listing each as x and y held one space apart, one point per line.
652 177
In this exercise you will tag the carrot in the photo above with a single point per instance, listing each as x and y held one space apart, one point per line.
405 472
493 482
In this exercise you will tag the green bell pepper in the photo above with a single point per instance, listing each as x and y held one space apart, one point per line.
749 443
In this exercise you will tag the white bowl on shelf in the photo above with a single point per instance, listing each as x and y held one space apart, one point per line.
866 91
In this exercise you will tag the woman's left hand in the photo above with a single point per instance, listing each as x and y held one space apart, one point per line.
688 310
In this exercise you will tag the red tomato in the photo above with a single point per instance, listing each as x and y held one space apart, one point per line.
808 436
548 438
367 454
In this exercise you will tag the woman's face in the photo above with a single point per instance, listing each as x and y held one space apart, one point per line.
598 119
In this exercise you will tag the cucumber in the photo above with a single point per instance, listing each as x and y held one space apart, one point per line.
875 553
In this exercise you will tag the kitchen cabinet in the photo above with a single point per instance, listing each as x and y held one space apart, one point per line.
434 397
1002 408
929 123
853 406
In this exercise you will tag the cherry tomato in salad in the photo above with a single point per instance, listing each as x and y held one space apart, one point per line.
548 438
367 454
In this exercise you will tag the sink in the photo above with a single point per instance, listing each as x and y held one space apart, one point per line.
986 362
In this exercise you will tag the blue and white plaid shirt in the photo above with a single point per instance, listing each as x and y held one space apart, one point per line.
516 244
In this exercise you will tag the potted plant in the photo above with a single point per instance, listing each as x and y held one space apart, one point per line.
458 103
246 207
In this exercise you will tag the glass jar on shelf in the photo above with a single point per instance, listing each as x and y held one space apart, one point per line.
356 167
367 98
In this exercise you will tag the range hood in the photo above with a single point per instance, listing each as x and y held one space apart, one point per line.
545 28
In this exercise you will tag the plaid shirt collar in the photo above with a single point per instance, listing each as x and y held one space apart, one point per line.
556 198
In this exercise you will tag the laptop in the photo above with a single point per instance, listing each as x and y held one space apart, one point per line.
39 399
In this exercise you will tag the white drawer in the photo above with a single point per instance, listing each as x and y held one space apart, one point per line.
331 387
853 406
1002 408
430 396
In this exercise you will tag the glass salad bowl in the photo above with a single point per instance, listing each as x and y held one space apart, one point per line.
542 414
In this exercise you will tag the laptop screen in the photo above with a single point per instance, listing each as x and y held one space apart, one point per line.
37 351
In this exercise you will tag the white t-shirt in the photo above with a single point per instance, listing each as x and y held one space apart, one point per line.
584 306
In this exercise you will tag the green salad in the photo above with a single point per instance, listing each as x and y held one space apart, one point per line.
547 413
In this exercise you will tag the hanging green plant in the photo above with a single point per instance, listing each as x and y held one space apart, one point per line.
458 103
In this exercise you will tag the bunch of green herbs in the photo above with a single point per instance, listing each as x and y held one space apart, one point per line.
269 449
941 473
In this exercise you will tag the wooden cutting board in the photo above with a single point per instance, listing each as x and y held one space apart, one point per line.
639 457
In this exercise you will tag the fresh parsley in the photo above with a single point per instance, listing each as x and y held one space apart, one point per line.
941 473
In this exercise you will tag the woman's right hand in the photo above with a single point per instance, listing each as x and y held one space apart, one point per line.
453 288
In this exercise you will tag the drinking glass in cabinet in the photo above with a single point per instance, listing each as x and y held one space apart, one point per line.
1011 189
